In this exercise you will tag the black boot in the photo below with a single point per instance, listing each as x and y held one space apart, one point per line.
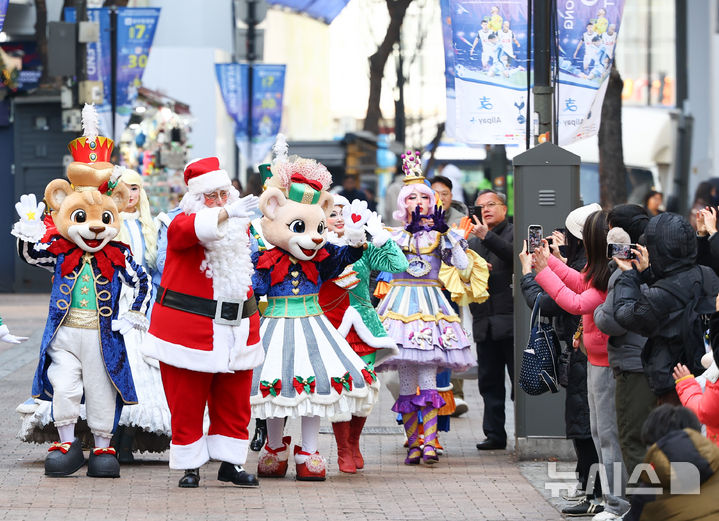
125 440
59 463
237 475
258 441
191 479
103 464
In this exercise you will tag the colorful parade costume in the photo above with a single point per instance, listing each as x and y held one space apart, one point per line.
346 303
205 326
418 316
83 353
310 370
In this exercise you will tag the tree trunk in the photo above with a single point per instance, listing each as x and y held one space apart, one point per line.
377 62
612 172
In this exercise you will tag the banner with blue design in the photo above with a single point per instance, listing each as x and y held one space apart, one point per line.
323 10
268 82
232 78
446 15
3 11
587 39
491 64
135 32
99 62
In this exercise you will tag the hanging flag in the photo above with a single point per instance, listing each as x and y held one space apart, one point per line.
446 14
587 39
267 90
135 32
491 63
3 10
232 78
323 10
99 63
268 82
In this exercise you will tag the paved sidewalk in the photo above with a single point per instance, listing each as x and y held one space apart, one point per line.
466 484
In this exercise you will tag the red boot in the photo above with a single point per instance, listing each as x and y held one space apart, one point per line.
272 463
356 426
345 457
313 469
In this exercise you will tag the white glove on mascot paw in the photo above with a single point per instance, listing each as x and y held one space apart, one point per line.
355 216
30 227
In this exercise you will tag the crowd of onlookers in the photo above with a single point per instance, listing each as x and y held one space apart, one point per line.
636 338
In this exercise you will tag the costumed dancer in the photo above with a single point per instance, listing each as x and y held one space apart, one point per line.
145 426
347 304
83 353
205 326
417 315
310 371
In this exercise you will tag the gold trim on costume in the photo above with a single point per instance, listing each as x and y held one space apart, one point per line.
82 319
62 290
65 302
105 311
419 316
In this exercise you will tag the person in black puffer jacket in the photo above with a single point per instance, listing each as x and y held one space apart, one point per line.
657 313
576 405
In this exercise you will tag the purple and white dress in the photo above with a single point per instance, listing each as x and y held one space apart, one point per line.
415 312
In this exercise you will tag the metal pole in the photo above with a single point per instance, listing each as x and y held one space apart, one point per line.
649 52
113 67
234 60
684 127
542 63
81 49
399 117
251 56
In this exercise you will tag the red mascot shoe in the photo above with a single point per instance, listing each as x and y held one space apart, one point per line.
313 469
272 463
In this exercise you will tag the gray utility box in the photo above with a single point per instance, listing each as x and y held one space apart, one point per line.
546 189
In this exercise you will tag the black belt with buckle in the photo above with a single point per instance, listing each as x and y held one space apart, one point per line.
223 311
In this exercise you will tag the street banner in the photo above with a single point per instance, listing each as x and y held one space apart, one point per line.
232 78
268 85
3 10
587 39
99 62
323 10
135 32
446 14
491 63
268 82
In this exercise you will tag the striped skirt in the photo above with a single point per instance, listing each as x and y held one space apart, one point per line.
310 370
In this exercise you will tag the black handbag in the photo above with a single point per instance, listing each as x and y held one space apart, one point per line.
538 373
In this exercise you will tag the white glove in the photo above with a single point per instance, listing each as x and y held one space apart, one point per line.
244 207
712 373
30 226
355 216
5 336
375 228
122 325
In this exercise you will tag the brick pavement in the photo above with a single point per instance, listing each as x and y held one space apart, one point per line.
466 484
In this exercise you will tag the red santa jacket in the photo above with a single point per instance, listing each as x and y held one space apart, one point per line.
191 341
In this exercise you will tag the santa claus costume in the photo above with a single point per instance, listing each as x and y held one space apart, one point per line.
205 326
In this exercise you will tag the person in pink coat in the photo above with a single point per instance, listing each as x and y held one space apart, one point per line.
580 293
704 405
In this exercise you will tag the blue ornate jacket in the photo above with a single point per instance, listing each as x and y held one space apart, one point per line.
108 294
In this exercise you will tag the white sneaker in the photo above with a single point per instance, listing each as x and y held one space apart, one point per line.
460 407
575 494
607 516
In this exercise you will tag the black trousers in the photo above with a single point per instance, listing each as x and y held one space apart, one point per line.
492 358
586 457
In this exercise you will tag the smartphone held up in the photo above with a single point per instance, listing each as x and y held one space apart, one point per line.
621 251
534 237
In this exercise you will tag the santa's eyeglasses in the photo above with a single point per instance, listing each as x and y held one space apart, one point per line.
217 195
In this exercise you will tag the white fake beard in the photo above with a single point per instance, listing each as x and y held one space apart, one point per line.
227 261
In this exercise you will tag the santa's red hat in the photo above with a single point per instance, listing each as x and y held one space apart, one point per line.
204 175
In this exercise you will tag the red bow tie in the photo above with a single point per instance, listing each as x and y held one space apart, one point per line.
280 262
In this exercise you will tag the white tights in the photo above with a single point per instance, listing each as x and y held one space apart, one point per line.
412 375
310 433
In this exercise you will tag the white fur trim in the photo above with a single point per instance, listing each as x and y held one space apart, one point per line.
190 456
386 346
208 182
224 448
206 225
229 351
